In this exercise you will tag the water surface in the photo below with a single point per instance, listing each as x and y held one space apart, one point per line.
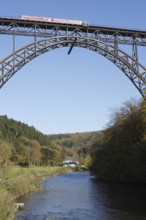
79 196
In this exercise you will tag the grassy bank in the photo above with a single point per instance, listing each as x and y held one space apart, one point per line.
15 181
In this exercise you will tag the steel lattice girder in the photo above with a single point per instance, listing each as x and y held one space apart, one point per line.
11 64
14 26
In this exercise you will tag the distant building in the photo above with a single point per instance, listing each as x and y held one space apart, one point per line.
70 161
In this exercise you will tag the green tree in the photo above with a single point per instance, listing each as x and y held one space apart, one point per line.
5 153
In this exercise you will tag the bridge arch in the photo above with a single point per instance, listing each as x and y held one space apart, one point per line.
128 65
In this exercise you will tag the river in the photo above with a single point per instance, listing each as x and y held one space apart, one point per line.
79 196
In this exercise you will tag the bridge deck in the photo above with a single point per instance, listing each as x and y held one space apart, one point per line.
13 22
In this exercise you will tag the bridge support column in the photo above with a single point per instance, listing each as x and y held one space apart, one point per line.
14 48
135 54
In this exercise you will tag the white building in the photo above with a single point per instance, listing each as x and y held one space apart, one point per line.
69 161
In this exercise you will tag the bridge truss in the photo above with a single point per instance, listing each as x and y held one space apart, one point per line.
105 41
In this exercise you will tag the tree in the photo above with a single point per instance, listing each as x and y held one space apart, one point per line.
47 156
5 152
121 154
31 151
143 115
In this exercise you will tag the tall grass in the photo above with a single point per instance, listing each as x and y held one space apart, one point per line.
7 208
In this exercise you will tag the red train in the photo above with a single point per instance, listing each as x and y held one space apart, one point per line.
53 20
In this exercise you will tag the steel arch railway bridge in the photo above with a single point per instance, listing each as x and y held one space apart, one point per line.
47 36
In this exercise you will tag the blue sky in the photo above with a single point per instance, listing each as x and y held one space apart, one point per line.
61 93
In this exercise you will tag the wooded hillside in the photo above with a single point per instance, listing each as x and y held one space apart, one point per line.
76 145
24 145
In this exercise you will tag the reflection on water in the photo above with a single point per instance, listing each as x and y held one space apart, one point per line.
79 196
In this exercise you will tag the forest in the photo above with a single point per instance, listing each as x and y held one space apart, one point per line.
120 153
23 145
76 145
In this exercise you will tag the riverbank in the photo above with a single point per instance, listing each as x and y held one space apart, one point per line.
16 181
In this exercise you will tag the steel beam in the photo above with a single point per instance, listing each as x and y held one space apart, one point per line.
70 49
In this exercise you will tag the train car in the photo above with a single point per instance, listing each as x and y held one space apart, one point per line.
53 20
65 21
35 18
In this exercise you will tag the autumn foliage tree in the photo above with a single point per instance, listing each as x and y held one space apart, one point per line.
120 156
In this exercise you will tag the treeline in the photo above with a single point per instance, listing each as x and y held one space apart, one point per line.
24 145
120 153
12 130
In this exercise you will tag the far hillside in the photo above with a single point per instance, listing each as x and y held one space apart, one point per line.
76 145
